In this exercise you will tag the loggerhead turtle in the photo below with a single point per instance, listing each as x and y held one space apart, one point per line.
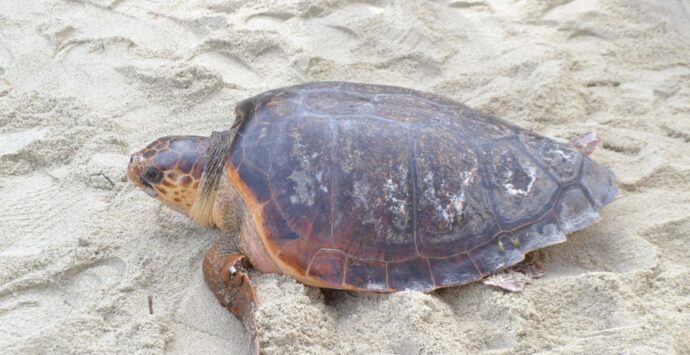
369 188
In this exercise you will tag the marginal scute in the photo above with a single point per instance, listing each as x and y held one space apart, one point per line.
453 270
499 253
599 182
328 266
304 249
521 189
540 234
574 211
366 275
412 274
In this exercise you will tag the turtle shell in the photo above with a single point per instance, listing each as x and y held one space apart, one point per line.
380 188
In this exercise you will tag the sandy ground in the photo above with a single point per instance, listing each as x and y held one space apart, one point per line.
83 83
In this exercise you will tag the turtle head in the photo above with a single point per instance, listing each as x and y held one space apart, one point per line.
170 170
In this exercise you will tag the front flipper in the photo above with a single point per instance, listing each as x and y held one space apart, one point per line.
226 274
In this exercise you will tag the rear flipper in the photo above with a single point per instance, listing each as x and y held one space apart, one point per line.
226 274
586 143
515 278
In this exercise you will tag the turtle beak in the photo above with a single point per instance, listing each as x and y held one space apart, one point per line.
150 191
134 169
134 174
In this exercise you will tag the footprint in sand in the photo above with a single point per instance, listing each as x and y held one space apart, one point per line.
75 290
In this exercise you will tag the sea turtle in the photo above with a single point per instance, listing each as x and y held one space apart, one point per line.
369 188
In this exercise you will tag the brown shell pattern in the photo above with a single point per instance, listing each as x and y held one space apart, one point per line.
380 188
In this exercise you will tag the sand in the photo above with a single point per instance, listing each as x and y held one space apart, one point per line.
84 83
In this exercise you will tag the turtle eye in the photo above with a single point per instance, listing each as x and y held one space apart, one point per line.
152 175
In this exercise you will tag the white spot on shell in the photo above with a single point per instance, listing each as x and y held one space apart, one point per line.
468 177
395 196
376 286
304 187
397 205
512 190
263 133
319 179
457 202
360 192
565 156
452 211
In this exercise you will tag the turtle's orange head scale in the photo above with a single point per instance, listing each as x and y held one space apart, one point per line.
170 169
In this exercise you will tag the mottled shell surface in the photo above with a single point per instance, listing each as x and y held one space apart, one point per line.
379 188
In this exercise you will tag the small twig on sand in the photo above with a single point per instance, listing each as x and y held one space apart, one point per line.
150 304
112 184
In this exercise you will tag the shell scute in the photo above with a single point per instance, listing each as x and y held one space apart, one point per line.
258 180
521 189
366 274
409 109
499 253
599 183
328 267
539 234
303 248
574 211
372 193
412 274
453 209
301 175
561 161
262 135
275 225
483 127
453 270
337 103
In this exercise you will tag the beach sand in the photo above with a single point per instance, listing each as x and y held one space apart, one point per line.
84 83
